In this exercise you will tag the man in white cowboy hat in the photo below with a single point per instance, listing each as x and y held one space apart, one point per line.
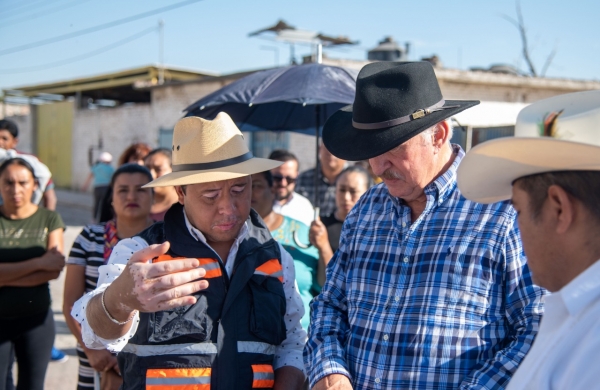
206 299
555 183
427 290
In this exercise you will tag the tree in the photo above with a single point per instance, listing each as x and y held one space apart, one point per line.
519 23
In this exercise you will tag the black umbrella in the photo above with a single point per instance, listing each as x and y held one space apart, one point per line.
296 98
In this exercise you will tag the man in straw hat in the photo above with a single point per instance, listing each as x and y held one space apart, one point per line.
207 298
555 183
427 289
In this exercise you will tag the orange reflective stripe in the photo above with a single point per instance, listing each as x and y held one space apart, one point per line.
178 379
263 376
212 267
160 258
271 268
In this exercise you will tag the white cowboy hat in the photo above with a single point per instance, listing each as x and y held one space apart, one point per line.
206 151
561 133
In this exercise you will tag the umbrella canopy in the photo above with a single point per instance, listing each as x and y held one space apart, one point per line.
282 98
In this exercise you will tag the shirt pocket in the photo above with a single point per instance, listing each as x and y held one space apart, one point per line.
268 309
469 282
190 321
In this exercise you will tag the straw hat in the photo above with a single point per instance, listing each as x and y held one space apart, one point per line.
561 133
206 151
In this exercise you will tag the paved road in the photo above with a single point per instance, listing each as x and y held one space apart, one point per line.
76 210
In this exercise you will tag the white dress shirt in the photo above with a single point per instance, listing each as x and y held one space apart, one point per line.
297 207
288 353
566 351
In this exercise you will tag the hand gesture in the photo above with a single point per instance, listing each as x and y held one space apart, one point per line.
152 287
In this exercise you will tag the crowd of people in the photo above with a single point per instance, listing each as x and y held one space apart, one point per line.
395 263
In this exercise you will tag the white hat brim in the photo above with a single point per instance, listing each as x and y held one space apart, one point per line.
486 173
246 168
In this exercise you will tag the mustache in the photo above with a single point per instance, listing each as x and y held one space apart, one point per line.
226 221
390 174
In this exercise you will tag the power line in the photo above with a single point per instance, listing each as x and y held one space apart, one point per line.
20 5
42 13
95 28
81 56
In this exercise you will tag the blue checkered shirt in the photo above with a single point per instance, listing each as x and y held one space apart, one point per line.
443 302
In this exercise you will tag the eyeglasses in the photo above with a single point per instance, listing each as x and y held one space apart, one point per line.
279 178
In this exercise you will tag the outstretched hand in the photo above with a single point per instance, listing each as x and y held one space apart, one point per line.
152 287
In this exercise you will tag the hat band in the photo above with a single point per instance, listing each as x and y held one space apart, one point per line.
212 165
403 119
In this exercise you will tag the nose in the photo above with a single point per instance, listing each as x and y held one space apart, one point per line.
379 164
226 205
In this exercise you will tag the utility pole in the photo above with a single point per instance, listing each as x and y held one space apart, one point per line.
161 58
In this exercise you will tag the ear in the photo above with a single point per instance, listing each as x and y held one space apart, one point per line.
440 134
562 208
180 194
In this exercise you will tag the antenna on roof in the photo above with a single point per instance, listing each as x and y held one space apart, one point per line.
289 34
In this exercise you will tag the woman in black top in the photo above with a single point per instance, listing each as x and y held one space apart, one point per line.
324 233
31 245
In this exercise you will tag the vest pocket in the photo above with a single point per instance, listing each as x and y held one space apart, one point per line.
268 309
190 321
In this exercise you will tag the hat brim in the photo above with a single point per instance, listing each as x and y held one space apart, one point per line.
246 168
346 142
487 172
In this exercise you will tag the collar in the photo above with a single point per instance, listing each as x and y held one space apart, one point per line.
582 291
198 236
443 186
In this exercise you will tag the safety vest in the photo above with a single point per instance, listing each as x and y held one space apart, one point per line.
227 339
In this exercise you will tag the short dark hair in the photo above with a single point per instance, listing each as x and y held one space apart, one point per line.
10 126
582 185
17 161
130 168
164 151
357 169
282 155
268 177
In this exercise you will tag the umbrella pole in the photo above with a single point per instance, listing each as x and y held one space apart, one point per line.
318 132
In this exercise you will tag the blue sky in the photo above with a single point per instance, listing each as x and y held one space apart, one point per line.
212 35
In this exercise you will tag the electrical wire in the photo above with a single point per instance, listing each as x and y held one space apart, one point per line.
95 28
81 56
21 4
9 22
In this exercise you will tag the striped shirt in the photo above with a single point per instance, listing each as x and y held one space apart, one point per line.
443 302
88 251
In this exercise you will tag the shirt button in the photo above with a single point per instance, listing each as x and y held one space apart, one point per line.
386 337
403 224
396 298
405 260
377 380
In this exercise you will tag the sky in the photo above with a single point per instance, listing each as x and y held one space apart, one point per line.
212 35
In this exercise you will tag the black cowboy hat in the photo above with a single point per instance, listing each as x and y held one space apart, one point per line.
394 102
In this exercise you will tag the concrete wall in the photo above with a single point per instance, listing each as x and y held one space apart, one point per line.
113 128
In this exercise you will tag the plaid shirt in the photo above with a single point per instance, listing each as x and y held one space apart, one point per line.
306 187
444 302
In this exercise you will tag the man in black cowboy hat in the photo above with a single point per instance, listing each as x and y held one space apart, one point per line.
427 289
